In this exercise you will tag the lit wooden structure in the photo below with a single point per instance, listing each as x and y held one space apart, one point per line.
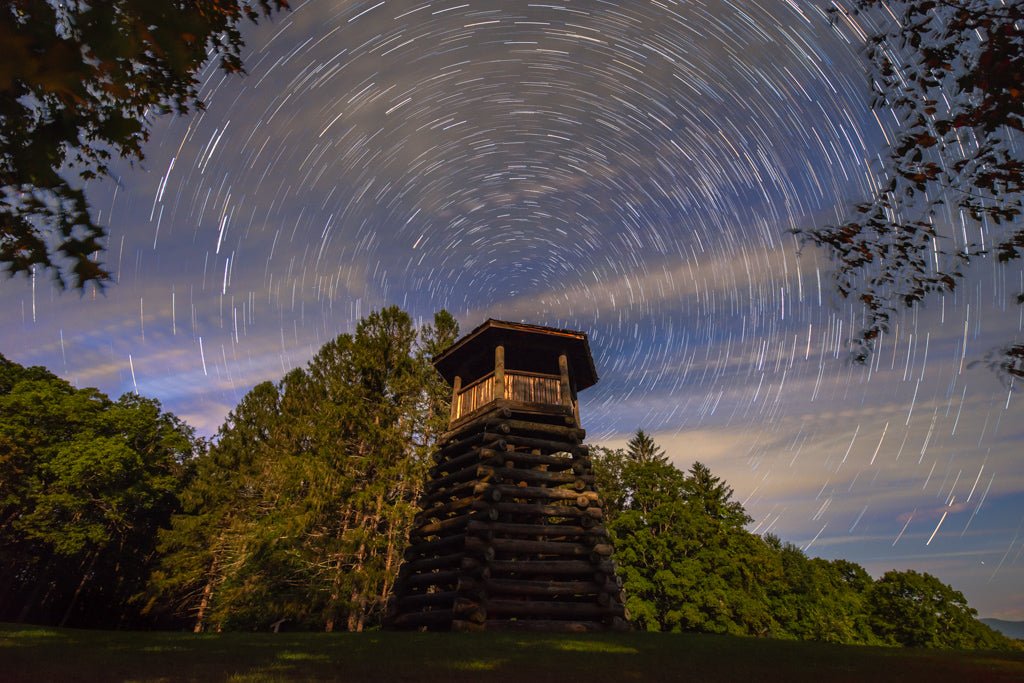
510 532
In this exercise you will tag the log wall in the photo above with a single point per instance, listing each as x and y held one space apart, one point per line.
510 533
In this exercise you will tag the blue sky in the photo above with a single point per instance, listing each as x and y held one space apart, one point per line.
625 169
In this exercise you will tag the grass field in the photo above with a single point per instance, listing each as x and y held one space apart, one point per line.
34 654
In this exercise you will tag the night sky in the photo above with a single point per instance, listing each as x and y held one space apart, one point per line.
629 169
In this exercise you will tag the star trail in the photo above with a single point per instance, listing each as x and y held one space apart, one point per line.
630 169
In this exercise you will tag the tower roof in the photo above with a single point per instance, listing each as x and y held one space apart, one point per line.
530 341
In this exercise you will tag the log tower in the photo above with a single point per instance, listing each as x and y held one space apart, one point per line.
510 532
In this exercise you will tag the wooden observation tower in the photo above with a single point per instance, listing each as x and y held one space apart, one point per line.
510 532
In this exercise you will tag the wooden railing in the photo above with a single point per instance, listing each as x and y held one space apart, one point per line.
473 396
527 387
532 387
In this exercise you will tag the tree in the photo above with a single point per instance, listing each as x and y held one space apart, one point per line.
85 484
435 338
682 569
641 448
608 470
917 610
951 71
203 538
301 510
713 497
688 564
79 83
685 559
629 481
816 599
652 556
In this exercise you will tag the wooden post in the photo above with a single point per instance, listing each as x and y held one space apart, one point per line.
499 372
563 371
456 388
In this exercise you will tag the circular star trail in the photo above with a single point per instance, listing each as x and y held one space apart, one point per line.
630 169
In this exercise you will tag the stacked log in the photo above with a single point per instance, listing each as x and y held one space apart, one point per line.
510 534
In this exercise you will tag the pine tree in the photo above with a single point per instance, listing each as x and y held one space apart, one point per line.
202 545
686 561
329 487
641 448
713 497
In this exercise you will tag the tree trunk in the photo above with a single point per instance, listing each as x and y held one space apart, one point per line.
78 590
362 598
357 568
7 583
336 582
43 580
353 617
204 602
397 526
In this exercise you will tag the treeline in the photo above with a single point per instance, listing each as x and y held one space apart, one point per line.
114 515
86 485
300 512
689 564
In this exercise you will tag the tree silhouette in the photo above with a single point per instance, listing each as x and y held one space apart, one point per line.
952 72
79 83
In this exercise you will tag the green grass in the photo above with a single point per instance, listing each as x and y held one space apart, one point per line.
45 654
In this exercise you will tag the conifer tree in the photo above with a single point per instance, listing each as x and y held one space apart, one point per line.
641 448
329 485
713 497
202 544
689 564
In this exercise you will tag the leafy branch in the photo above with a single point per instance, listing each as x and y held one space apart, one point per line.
952 72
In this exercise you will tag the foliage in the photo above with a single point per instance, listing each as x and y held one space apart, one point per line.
641 448
816 599
609 465
951 72
917 610
85 483
80 83
685 560
712 497
300 511
688 564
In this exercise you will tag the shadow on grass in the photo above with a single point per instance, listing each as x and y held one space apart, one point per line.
35 654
